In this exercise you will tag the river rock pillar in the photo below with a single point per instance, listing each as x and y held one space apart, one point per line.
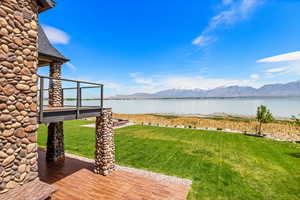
105 146
18 93
55 88
55 142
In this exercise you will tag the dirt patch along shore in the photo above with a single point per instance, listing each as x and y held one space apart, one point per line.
281 130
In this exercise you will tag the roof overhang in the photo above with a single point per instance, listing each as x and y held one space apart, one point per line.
47 52
45 5
45 60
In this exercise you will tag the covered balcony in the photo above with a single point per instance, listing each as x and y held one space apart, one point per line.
58 103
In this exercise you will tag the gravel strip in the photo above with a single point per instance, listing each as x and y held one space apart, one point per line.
156 176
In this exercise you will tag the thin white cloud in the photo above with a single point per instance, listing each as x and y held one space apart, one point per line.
289 64
203 40
195 82
112 85
71 66
238 10
140 80
277 69
254 76
159 83
56 36
293 56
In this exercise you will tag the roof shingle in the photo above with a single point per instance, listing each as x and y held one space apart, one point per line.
46 48
46 4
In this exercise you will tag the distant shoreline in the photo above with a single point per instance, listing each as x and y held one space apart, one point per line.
217 115
187 98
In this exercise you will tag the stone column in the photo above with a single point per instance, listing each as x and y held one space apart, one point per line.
105 146
55 90
55 142
18 93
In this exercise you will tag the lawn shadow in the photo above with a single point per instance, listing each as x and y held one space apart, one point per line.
295 155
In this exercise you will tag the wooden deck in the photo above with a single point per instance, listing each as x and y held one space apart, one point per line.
56 114
76 181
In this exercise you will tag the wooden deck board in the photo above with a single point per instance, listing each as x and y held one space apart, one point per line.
76 181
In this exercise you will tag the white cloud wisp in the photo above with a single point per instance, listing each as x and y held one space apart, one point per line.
71 66
56 36
293 56
291 62
237 11
159 83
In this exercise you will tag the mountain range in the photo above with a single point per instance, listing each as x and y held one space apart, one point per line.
271 90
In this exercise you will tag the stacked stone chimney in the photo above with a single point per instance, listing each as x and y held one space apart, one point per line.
18 92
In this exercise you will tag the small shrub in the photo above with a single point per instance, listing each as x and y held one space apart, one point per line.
263 115
295 120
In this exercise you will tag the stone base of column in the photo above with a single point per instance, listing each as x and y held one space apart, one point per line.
105 146
55 143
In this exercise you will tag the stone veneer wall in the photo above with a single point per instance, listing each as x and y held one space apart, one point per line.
55 90
55 142
18 92
105 146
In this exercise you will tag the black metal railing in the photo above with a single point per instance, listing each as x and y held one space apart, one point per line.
79 88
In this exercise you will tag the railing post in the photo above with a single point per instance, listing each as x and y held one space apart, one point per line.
41 99
78 99
62 98
101 104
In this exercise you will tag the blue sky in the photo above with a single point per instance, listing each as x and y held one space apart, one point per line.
147 46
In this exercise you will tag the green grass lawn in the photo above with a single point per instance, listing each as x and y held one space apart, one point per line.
221 165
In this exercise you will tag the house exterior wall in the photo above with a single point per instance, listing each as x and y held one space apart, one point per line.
18 92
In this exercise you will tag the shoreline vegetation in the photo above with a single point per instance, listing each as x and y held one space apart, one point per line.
282 129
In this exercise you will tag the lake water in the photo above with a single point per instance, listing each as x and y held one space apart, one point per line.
280 107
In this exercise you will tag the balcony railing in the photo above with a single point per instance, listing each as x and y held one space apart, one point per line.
45 86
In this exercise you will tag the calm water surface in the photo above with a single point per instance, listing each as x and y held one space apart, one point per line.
280 107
